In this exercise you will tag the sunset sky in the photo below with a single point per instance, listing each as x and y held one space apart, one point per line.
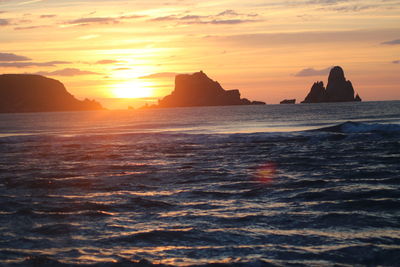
270 50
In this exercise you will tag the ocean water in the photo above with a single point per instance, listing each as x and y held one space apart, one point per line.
275 185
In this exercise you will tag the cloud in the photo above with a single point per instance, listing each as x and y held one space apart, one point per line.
326 2
159 75
107 61
30 27
47 16
226 17
312 72
396 62
131 17
67 72
392 42
4 22
229 12
98 20
307 37
171 18
101 20
12 57
32 64
350 8
228 21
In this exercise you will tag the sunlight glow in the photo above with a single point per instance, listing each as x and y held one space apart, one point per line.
133 89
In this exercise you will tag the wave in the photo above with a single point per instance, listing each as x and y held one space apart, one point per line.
361 127
185 235
222 140
40 260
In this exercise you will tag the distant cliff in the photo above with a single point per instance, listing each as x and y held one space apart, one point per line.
198 90
338 89
35 93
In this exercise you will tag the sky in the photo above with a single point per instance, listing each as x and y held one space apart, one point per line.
113 51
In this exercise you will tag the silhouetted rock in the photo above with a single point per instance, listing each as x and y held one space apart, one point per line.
256 102
338 89
317 93
198 90
35 93
288 101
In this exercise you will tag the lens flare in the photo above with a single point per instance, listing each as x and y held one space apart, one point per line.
266 173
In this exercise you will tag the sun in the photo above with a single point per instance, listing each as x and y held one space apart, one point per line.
133 89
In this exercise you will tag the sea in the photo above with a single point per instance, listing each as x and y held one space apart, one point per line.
273 185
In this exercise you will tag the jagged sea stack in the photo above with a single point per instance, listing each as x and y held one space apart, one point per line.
337 90
198 89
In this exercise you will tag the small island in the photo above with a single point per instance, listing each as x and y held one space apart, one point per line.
35 93
338 89
288 101
197 89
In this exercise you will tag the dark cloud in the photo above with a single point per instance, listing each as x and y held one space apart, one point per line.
48 16
356 7
67 72
30 27
7 57
225 17
233 13
228 21
167 18
352 8
98 20
396 62
131 17
32 64
312 72
326 2
102 20
393 42
159 75
4 22
191 17
228 12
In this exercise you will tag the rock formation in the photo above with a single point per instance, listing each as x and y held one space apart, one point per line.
198 89
35 93
288 101
338 89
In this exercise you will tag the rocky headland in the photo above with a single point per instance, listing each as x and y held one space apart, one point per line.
338 90
197 89
35 93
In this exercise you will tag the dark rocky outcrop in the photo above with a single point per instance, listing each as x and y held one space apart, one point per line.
198 89
338 89
288 101
35 93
